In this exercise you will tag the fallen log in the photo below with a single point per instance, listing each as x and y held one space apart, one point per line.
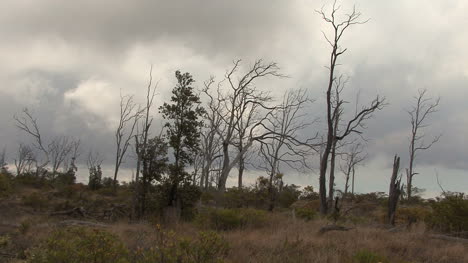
449 238
329 228
80 223
77 211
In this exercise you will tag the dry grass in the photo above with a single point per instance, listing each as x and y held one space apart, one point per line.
285 240
282 239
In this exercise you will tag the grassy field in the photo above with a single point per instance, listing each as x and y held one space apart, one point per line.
28 222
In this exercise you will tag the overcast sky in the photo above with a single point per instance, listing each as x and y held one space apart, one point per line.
68 60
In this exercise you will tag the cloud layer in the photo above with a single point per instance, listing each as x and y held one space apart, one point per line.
70 60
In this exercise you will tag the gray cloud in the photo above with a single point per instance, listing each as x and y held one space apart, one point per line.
69 60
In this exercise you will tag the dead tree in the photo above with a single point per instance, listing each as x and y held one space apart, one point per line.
24 159
129 116
70 160
211 142
423 108
28 123
241 98
141 146
283 145
356 123
394 191
351 159
62 151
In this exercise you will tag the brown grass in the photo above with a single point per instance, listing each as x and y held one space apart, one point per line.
282 239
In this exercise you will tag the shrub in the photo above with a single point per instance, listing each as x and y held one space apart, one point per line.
206 247
31 179
78 244
305 213
450 213
36 201
5 184
288 195
228 219
366 256
413 214
4 241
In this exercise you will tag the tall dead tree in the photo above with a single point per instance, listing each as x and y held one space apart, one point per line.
423 108
141 146
211 142
356 123
241 98
394 191
128 119
283 145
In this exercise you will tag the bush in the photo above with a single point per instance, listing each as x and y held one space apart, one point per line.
288 195
36 201
206 247
32 180
366 256
5 184
450 214
413 214
228 219
305 213
77 245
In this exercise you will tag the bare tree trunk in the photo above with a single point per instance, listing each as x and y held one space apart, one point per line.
241 172
331 184
394 191
356 123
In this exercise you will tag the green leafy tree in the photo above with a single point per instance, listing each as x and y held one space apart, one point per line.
183 125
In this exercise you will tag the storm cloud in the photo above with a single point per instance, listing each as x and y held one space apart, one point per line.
68 61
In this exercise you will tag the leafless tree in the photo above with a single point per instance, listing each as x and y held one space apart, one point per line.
72 157
63 150
141 145
94 159
241 99
352 158
24 159
129 116
28 123
356 123
283 146
211 142
423 108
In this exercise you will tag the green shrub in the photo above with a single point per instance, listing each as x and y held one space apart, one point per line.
366 256
31 179
206 247
4 240
288 195
228 219
77 245
413 214
305 213
450 214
